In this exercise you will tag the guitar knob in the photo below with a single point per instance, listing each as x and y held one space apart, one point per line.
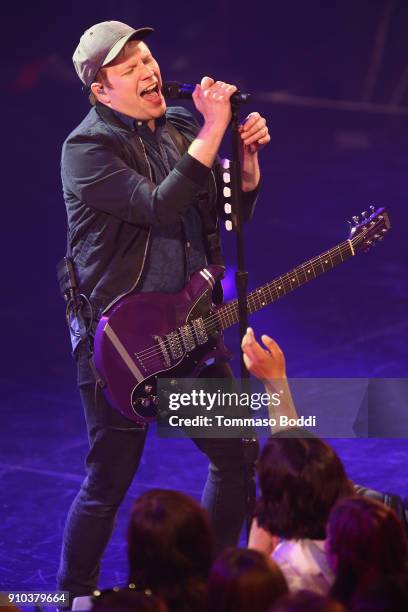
384 231
145 402
156 400
148 388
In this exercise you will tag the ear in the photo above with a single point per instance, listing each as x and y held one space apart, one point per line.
100 92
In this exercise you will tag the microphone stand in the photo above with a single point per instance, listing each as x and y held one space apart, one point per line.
176 90
241 283
241 275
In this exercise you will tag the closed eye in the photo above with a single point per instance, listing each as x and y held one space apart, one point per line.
129 70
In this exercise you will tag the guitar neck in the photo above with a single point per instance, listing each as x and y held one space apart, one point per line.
227 314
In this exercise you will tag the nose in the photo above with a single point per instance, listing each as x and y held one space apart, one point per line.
147 72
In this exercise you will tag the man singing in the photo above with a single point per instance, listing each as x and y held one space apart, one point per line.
143 189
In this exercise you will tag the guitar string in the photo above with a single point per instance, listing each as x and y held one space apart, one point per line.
229 310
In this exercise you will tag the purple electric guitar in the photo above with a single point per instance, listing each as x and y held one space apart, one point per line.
149 335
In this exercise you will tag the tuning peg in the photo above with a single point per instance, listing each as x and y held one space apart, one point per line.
372 208
356 219
364 214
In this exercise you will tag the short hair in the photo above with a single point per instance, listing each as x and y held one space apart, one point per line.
300 479
170 547
368 541
100 77
244 579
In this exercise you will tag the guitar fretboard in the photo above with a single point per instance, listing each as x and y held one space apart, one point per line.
227 315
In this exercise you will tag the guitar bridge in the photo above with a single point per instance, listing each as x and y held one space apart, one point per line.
164 351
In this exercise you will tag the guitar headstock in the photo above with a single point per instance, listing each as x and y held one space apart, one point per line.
370 229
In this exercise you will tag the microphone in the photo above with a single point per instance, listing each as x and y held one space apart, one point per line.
184 91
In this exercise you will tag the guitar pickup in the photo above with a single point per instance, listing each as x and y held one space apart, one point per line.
175 346
200 331
187 337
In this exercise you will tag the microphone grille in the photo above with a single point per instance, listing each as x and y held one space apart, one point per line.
171 89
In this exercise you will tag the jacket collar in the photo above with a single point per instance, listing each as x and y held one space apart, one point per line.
124 122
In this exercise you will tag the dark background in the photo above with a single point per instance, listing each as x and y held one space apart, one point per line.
323 166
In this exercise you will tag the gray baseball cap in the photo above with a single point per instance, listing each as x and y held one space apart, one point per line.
100 44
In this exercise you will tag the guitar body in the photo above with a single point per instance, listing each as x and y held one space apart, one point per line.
135 343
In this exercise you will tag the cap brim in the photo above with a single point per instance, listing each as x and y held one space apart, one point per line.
139 34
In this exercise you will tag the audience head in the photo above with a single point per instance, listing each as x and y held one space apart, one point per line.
301 479
307 600
170 547
128 600
242 580
387 593
366 542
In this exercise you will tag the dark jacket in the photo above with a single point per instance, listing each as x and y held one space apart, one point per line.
112 202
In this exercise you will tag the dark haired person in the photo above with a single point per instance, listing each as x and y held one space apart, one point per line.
242 580
301 478
170 548
142 187
366 546
387 593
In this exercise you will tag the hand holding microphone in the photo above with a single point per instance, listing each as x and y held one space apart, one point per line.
212 99
253 130
184 91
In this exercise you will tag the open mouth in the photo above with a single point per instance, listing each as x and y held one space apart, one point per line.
153 89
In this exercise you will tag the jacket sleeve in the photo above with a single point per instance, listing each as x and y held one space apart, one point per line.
187 123
97 176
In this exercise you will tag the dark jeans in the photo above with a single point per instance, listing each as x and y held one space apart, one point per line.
116 446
